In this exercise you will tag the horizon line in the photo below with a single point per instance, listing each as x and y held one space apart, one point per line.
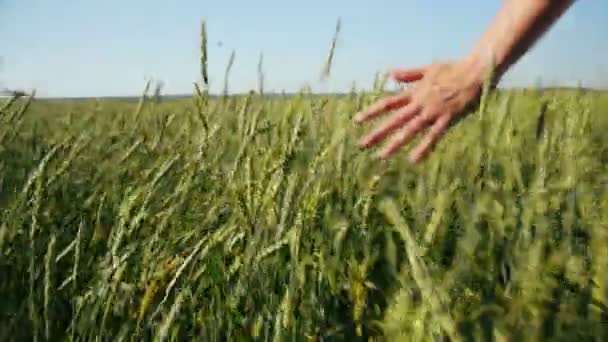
282 93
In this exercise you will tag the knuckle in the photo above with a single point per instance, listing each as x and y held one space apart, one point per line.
388 103
428 113
404 134
394 101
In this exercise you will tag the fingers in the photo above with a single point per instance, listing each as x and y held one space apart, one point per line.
395 101
404 135
409 75
430 140
386 104
397 120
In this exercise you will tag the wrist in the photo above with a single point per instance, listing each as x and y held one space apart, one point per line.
483 67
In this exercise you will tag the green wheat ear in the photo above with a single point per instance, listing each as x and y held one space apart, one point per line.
204 56
332 50
227 73
261 74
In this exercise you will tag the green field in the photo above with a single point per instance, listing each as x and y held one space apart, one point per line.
256 217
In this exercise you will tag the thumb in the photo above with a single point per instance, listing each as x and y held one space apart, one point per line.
409 75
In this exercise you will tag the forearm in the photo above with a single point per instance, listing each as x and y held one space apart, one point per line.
516 27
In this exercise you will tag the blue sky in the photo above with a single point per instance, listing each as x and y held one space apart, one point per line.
108 48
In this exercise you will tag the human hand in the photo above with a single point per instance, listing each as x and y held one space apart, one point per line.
442 93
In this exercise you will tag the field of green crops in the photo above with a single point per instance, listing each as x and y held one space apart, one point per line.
257 218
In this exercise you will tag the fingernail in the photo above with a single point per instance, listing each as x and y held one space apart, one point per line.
362 143
382 155
413 160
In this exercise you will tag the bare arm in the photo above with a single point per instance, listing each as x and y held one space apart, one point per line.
443 90
516 27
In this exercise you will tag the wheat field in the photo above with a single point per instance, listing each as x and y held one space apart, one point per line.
255 217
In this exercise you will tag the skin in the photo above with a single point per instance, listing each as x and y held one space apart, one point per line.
445 91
